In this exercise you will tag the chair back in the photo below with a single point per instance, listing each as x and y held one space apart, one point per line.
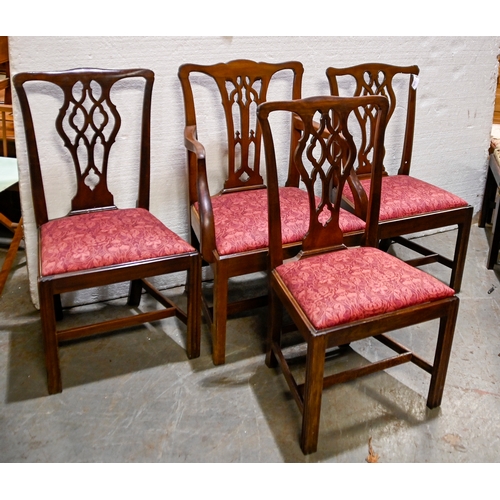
334 129
88 123
243 85
386 80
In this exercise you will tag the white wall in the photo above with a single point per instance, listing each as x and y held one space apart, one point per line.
454 104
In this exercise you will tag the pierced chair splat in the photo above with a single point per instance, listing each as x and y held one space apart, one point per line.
336 294
230 227
97 243
408 205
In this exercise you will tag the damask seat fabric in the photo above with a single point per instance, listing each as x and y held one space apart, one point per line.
248 230
357 283
110 237
403 196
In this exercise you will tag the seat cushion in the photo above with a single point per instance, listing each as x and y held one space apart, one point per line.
98 239
357 283
404 196
241 219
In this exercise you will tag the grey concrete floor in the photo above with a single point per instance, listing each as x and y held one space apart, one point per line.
135 397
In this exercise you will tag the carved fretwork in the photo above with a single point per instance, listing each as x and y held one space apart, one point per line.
88 123
329 151
240 98
379 79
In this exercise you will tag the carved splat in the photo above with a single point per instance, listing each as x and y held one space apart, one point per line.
378 79
88 123
324 157
240 97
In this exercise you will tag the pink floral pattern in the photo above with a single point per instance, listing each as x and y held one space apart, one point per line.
404 196
98 239
357 283
241 219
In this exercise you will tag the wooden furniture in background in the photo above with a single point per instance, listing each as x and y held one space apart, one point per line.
490 210
97 244
9 177
334 294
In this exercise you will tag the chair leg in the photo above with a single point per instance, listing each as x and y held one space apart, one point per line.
47 313
58 307
219 314
313 390
274 322
384 245
460 253
193 289
134 294
442 356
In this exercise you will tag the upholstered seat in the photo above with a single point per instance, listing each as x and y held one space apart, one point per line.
107 238
355 284
249 231
405 196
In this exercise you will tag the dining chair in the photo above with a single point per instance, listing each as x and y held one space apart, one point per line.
337 295
98 244
230 227
408 205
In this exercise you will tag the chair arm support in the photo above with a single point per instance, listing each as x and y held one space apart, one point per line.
192 143
199 182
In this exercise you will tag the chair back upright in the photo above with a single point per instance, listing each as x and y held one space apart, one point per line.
386 80
87 123
243 85
334 130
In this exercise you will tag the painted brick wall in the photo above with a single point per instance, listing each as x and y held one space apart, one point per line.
455 105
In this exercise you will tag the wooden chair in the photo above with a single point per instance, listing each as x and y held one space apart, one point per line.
408 205
8 178
336 294
230 228
97 244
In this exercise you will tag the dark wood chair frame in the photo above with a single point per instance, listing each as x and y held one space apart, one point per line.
333 168
377 79
88 200
245 84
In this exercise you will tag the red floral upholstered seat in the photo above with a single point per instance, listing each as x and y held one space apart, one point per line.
357 283
404 196
249 231
106 238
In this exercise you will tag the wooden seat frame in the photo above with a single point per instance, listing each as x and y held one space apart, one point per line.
377 79
324 155
100 125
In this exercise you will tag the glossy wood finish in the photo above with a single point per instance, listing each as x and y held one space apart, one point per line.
324 157
88 123
387 80
242 85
